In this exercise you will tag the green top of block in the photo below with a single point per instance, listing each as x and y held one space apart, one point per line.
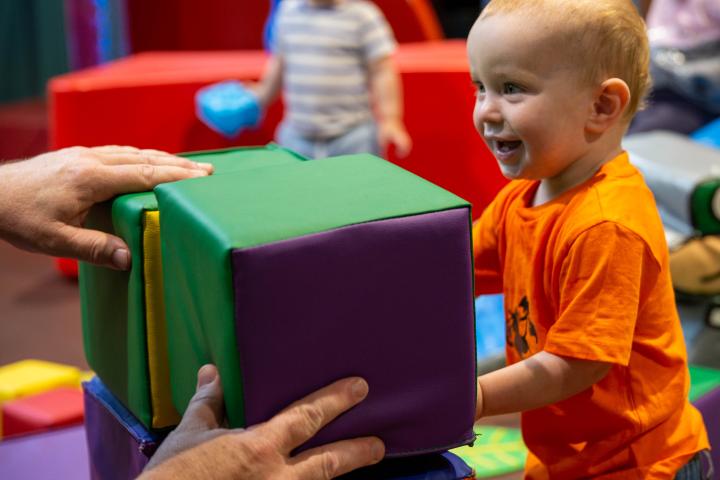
265 205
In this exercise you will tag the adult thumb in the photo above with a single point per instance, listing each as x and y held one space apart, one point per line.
206 408
93 246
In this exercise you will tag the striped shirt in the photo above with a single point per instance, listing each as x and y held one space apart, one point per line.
326 53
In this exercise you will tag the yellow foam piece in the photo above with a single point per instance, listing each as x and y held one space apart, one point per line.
86 376
29 377
163 411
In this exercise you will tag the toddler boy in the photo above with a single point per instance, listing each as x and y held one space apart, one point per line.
596 358
329 57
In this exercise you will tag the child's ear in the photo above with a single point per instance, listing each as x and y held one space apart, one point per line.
609 105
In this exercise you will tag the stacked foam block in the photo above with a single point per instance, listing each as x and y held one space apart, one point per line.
37 395
287 274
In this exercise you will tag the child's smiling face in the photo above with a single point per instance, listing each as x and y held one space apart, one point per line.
531 105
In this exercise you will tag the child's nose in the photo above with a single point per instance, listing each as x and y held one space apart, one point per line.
488 110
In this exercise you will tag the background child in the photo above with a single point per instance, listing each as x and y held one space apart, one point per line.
329 56
596 358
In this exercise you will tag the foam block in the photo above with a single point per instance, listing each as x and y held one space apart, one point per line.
29 377
290 277
119 446
123 312
56 408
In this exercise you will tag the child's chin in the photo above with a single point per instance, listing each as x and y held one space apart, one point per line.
512 172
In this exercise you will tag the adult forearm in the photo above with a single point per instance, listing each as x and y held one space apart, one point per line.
535 382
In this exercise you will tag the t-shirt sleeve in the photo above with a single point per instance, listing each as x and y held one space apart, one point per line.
602 280
278 30
376 36
486 255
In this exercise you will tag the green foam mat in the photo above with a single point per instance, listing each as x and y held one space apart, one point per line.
496 451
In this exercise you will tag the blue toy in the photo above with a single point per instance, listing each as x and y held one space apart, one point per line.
227 107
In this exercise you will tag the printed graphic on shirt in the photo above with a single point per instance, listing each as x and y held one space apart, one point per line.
520 329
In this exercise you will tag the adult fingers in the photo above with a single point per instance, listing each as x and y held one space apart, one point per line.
206 408
91 246
112 155
332 460
117 179
303 419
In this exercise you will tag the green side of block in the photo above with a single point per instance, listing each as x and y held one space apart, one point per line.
113 303
306 197
113 307
203 219
702 380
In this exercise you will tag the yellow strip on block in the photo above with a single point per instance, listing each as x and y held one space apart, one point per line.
164 413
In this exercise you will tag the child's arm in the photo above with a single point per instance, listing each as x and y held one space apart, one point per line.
268 88
535 382
386 89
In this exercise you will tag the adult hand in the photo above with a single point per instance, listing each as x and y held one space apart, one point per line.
200 448
394 133
44 200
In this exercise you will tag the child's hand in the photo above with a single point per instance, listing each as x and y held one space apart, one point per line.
394 133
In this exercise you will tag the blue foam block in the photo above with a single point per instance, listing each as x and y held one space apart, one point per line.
227 107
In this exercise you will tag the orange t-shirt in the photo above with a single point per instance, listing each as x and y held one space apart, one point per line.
586 276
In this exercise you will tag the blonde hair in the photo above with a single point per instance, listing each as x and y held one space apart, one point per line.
607 37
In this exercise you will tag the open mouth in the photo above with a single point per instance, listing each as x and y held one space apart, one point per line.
507 146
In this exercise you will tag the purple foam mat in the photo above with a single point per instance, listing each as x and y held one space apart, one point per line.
54 454
709 406
390 301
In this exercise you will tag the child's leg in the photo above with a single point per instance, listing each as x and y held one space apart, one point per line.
360 139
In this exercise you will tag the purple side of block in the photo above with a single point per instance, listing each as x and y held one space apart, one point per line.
709 406
114 453
390 301
55 454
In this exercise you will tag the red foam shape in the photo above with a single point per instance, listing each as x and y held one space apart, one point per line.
55 408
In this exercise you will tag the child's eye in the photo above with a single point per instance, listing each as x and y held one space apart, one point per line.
511 88
479 87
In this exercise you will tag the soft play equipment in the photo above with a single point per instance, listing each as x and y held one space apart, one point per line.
709 134
29 377
119 446
239 24
126 344
370 260
705 395
683 175
371 274
147 100
438 466
56 408
96 31
60 454
497 451
227 107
